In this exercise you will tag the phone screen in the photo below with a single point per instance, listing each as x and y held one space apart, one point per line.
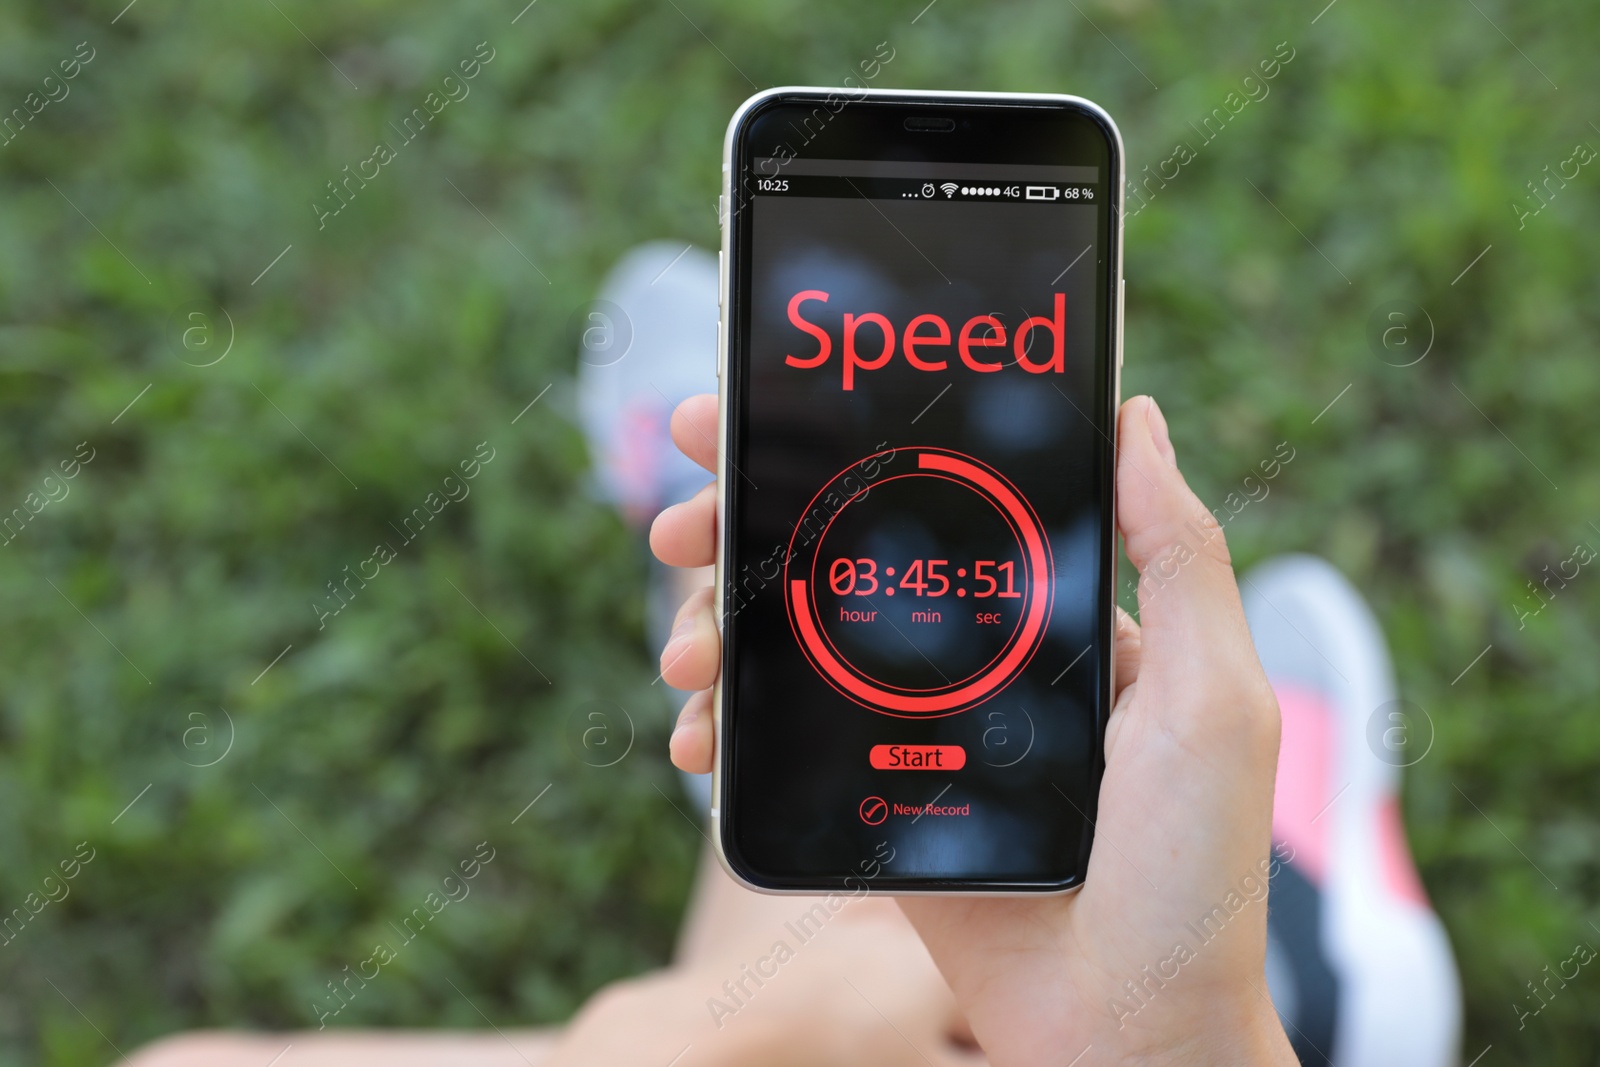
917 580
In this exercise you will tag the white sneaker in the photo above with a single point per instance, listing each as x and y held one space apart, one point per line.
1359 965
646 343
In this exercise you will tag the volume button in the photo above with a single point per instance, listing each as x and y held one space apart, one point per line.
720 348
722 277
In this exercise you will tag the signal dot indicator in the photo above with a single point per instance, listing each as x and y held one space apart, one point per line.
889 591
961 572
889 571
961 592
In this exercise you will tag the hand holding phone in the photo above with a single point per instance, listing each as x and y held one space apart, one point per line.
1185 807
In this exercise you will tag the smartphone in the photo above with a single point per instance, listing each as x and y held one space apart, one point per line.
921 333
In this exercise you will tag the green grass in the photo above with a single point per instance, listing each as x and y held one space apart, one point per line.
143 606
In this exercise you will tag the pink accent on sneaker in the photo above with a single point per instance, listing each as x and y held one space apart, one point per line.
1394 856
642 432
1305 757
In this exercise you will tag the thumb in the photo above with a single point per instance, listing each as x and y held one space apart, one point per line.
1189 610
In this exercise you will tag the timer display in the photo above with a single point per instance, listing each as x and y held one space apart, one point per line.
894 636
859 577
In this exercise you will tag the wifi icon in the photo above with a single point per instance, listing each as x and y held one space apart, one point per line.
949 189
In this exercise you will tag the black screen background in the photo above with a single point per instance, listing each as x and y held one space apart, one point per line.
796 769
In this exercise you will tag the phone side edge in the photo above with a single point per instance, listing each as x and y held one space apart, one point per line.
725 214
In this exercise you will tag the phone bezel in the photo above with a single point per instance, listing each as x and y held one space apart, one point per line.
731 265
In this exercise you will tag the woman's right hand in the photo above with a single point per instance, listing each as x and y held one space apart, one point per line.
1185 811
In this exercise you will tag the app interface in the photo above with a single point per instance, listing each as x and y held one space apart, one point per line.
915 588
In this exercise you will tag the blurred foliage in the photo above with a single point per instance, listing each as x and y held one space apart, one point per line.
144 606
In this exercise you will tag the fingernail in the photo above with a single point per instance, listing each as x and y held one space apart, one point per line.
684 625
1158 433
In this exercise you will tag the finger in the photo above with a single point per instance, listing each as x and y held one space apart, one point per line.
685 535
1191 622
694 430
1129 647
1126 646
1185 572
694 651
692 743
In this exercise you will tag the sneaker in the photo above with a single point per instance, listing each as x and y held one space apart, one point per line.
648 342
1359 965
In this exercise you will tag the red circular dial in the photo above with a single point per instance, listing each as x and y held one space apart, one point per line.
844 599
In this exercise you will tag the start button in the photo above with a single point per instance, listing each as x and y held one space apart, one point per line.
918 757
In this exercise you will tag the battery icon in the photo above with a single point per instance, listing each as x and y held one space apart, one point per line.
1042 192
